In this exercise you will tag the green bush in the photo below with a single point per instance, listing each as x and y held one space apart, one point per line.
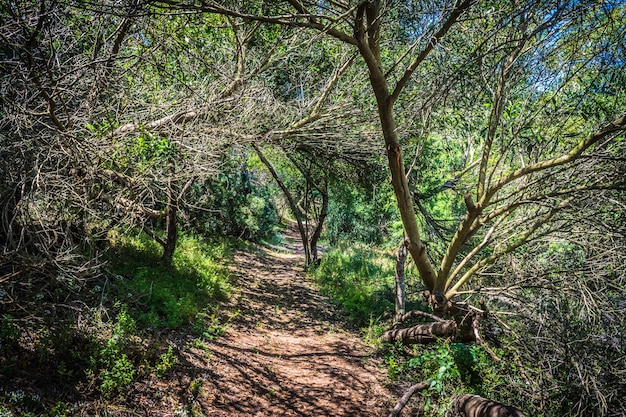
110 366
364 216
9 334
166 361
233 204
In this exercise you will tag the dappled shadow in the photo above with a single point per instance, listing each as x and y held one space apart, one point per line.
287 352
282 375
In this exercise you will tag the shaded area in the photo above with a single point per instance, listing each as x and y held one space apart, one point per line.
286 352
282 350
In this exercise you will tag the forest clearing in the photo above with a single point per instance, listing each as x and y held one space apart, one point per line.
305 207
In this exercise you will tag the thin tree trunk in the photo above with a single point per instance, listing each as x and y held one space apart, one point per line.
320 224
292 204
400 284
171 228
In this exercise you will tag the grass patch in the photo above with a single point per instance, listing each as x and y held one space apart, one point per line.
168 296
359 279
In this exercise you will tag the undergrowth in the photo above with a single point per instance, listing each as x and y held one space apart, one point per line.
120 334
169 296
455 369
360 279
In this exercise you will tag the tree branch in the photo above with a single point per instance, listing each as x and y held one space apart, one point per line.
307 20
407 396
616 126
458 9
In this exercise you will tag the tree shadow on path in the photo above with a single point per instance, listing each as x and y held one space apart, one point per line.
287 352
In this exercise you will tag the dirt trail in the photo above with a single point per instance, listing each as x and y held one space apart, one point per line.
286 353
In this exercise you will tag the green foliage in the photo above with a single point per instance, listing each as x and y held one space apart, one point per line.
210 325
458 368
367 216
233 204
166 362
111 367
169 296
358 279
9 333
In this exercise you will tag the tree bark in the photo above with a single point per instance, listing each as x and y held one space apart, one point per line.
475 406
292 203
422 333
407 396
315 236
400 284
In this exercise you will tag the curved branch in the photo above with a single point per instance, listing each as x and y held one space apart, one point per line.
407 396
523 239
307 20
616 126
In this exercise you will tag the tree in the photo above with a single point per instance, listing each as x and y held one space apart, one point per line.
518 77
56 64
509 44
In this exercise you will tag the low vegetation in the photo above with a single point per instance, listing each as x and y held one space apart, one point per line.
119 333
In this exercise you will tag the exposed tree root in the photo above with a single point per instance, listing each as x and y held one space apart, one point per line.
422 333
407 396
417 313
475 406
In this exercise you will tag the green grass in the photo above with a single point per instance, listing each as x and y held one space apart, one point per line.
359 279
168 296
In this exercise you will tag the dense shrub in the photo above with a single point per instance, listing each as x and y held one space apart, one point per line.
233 204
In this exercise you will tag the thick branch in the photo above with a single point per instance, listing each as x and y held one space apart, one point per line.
418 313
523 239
422 333
475 406
472 253
464 232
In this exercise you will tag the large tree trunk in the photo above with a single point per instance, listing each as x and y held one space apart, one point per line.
475 406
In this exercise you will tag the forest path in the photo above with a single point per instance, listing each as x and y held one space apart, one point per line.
286 353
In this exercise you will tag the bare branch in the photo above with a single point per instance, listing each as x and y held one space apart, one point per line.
615 127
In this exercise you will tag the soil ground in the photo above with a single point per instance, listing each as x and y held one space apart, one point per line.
285 352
